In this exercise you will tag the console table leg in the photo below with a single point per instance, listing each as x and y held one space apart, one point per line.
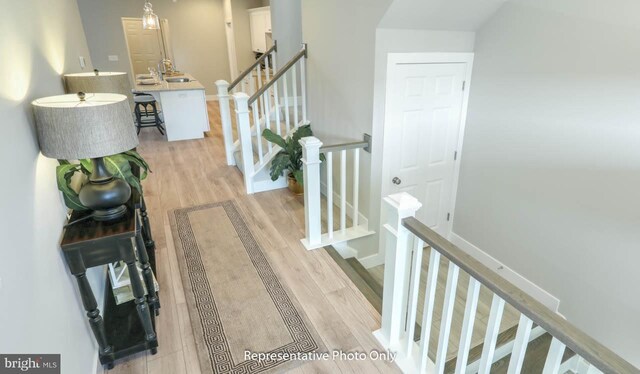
141 301
146 227
95 319
152 298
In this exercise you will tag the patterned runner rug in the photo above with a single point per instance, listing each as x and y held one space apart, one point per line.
236 302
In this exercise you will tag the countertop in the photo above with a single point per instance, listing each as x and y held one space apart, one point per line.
167 86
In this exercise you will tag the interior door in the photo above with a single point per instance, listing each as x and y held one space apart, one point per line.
145 46
424 112
258 25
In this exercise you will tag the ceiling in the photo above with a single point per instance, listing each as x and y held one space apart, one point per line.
452 15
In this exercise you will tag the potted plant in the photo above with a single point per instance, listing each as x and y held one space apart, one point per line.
290 157
119 165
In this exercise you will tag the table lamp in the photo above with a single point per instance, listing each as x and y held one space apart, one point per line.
92 125
99 81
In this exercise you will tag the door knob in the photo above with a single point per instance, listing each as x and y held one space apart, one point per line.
396 180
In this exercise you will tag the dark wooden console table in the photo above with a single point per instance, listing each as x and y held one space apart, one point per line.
127 328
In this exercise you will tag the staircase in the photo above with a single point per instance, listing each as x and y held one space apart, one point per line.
425 333
274 104
278 102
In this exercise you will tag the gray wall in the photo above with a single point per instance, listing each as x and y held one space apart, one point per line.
551 162
197 35
399 41
41 311
286 26
341 38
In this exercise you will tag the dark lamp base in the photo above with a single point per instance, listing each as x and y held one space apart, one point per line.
105 195
109 214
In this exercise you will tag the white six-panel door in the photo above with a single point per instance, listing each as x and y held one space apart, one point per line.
422 128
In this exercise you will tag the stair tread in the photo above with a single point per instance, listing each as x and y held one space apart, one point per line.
355 276
534 358
365 275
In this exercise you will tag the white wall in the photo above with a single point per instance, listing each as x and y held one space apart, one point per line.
459 15
399 41
40 310
197 35
286 27
551 163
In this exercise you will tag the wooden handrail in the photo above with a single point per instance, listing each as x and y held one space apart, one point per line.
240 77
280 73
364 144
344 146
576 340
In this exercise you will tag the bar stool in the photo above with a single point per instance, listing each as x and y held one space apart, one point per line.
146 117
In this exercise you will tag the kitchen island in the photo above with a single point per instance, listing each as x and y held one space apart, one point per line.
184 106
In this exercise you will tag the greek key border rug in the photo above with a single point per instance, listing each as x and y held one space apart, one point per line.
250 307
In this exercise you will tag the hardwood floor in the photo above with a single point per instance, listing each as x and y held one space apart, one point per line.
194 172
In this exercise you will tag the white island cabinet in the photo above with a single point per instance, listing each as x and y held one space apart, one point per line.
184 107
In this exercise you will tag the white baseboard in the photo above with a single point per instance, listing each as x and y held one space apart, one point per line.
212 97
344 250
96 358
372 261
504 271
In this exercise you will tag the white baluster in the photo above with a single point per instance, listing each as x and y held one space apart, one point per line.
447 316
400 206
252 83
303 87
356 185
520 345
259 77
267 96
225 118
244 131
416 269
429 303
256 122
276 96
294 87
554 357
312 210
473 293
343 190
267 117
287 121
329 156
491 335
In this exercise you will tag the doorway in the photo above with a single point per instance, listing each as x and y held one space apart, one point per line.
146 48
425 112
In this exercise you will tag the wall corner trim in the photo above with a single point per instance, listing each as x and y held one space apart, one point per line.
507 273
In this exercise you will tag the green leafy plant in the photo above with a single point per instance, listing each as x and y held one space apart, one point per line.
290 157
119 166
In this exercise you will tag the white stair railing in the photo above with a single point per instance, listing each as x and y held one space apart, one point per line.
264 110
314 237
405 239
249 81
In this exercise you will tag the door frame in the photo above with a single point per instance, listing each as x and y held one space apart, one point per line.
164 40
394 59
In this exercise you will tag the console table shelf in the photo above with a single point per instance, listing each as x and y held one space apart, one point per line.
127 328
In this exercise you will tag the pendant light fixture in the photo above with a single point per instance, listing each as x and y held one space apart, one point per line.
150 20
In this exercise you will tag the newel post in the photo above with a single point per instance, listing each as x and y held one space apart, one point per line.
225 117
396 268
312 213
241 100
